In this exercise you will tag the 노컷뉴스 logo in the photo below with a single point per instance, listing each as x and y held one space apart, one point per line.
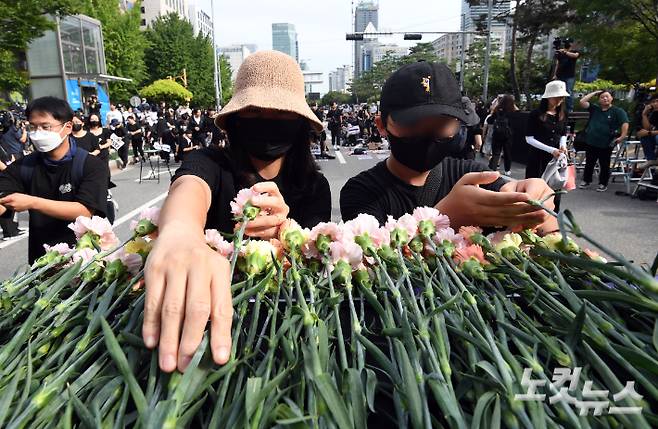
592 400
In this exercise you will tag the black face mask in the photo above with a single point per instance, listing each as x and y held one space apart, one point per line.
94 124
76 127
265 139
425 152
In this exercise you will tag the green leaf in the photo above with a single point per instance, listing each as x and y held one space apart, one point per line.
480 408
323 345
357 396
380 357
124 368
410 389
326 388
86 418
655 335
251 394
573 338
371 387
8 395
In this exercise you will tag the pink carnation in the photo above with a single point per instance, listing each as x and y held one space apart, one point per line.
450 235
334 231
439 220
97 226
132 261
61 248
468 231
365 224
473 251
244 196
86 255
348 251
497 237
219 243
406 223
152 214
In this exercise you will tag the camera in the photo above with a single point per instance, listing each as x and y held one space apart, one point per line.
561 43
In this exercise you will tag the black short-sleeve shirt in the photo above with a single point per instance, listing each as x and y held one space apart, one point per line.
380 193
308 207
88 142
55 183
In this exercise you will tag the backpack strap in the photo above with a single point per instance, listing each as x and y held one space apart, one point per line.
27 170
78 165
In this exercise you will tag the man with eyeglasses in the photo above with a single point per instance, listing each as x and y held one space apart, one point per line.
57 183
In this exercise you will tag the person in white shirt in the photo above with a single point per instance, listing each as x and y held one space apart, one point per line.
114 113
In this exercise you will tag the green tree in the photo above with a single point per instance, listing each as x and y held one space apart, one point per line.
226 79
124 44
338 97
173 48
621 36
23 21
166 90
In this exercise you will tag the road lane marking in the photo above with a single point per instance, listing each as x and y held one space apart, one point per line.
130 215
340 157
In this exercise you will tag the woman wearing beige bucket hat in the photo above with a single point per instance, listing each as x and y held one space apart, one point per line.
268 125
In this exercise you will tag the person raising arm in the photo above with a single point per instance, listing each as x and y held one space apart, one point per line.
268 125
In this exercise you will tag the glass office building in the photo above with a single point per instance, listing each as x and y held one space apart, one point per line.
69 62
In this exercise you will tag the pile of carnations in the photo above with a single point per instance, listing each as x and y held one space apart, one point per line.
407 324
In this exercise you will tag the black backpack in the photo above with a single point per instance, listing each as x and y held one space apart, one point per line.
30 161
501 128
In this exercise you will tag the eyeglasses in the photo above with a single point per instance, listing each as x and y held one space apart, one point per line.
44 127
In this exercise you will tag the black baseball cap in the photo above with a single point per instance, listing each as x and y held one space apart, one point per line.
423 89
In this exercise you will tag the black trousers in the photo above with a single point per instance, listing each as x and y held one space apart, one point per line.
9 227
601 155
335 136
123 154
498 147
138 149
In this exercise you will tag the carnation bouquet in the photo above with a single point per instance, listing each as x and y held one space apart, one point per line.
410 323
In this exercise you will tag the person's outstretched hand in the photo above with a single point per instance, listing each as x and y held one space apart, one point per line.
187 284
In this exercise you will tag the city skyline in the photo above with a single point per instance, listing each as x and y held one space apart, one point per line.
321 30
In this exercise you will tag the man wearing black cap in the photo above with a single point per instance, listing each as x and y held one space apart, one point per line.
424 119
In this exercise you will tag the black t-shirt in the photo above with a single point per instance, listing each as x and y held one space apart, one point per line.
548 131
55 183
88 142
334 118
308 207
101 139
134 127
380 193
566 68
468 151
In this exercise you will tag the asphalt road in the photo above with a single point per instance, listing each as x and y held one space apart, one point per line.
626 225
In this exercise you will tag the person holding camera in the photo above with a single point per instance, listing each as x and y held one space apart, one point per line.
607 127
14 139
565 68
649 133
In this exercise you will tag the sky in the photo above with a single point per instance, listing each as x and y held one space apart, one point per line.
322 24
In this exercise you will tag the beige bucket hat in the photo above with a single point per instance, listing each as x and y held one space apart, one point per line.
269 80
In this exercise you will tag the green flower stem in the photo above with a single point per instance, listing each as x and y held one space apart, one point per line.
342 354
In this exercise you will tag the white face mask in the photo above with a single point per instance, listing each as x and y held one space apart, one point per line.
46 141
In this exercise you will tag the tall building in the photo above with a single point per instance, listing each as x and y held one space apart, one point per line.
284 39
341 78
373 52
475 19
366 12
151 9
201 20
448 47
236 54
